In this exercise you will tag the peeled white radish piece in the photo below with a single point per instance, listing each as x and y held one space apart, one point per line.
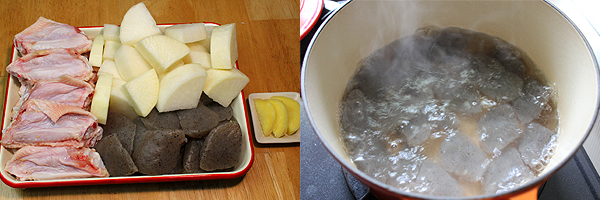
111 32
142 92
130 63
187 33
161 75
198 54
118 100
197 46
101 98
110 47
223 48
96 52
137 24
206 42
181 88
161 51
224 85
109 67
202 58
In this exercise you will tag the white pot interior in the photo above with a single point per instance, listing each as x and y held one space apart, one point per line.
536 27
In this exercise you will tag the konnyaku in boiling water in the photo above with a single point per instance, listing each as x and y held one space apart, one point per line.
449 112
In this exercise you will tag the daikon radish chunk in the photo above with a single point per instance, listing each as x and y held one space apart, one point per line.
111 33
161 75
202 58
118 100
96 52
109 67
142 92
130 63
181 88
137 24
110 47
197 46
224 85
162 51
223 48
206 42
101 98
187 33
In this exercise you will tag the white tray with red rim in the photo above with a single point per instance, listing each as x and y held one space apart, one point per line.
239 112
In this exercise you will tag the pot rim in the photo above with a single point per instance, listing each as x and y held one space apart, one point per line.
530 184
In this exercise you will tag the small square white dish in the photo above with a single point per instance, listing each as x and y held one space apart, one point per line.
258 133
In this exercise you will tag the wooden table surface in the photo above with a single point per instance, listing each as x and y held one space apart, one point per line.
268 45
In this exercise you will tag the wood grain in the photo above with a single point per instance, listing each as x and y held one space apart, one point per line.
268 44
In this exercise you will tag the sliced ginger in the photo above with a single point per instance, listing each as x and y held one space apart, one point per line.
266 115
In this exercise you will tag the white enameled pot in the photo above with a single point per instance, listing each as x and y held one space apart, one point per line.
358 28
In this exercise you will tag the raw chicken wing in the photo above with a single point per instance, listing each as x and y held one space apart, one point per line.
46 123
49 65
46 34
44 163
66 90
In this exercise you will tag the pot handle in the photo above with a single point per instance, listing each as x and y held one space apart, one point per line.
531 194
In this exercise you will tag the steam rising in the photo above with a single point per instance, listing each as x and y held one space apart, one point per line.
408 15
427 87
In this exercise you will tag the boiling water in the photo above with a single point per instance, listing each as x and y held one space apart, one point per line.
449 112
